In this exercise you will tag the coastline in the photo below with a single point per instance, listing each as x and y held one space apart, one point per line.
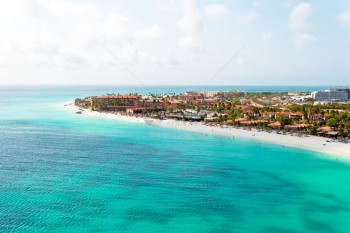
313 143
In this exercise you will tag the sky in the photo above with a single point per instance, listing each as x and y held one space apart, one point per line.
175 42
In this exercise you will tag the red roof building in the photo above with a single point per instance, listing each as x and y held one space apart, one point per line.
245 108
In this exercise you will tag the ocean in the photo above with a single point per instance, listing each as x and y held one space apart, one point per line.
65 172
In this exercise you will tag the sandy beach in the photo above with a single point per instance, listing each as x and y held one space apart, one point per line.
326 146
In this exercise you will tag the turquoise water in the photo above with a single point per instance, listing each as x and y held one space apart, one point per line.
64 172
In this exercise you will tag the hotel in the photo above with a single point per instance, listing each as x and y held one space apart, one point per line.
330 95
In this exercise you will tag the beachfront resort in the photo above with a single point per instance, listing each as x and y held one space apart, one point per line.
324 114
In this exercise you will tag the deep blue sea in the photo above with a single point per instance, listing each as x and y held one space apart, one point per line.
64 172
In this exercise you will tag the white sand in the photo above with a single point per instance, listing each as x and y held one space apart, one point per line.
319 144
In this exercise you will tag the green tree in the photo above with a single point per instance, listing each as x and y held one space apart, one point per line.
294 107
236 101
313 130
332 122
283 120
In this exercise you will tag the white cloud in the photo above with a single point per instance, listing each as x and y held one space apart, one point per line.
215 11
61 41
300 27
266 36
246 19
298 17
302 40
190 19
61 34
189 25
344 18
153 32
114 27
191 43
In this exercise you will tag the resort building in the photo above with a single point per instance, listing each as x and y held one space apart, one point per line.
224 94
330 95
134 110
190 97
209 94
154 104
174 104
317 117
232 94
115 102
210 101
126 99
347 90
296 115
245 108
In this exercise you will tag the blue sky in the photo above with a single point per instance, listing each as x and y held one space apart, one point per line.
183 42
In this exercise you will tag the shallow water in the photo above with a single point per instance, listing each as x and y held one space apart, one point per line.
62 171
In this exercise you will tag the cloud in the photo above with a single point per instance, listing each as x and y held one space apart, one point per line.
302 40
191 43
189 25
298 17
63 41
190 20
344 18
62 34
265 36
300 27
152 32
246 19
215 11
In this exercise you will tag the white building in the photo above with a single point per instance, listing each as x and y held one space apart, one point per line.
210 94
330 95
224 94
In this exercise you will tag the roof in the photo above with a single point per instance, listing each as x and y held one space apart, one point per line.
297 114
275 124
297 126
241 119
124 96
253 122
284 113
175 101
210 101
325 129
153 100
316 115
135 108
321 115
245 108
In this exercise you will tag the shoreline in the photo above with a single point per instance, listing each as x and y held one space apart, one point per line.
313 143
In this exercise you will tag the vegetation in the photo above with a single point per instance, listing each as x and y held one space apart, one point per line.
236 111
